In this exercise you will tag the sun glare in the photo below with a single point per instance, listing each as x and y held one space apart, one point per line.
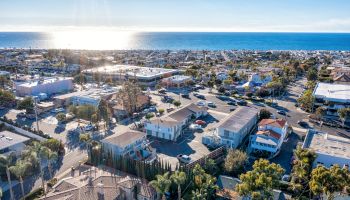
92 40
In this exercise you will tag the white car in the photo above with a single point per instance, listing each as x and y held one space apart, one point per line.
57 110
195 127
183 158
201 103
88 127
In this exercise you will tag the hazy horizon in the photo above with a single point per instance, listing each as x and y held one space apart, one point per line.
302 16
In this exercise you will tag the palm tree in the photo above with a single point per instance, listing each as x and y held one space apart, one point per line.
4 164
178 178
19 170
37 150
161 184
0 192
50 155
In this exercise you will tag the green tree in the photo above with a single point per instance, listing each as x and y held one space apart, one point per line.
49 156
61 117
5 163
19 170
6 98
177 103
149 115
312 74
161 184
204 183
320 112
179 178
307 100
329 181
53 144
103 111
211 167
264 114
344 114
235 161
301 170
259 183
27 103
161 111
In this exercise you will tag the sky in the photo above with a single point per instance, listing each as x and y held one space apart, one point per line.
177 15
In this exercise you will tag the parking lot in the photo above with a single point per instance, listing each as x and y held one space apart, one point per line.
190 143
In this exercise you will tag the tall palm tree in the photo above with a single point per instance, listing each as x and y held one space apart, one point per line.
38 149
19 170
50 156
161 184
4 164
179 178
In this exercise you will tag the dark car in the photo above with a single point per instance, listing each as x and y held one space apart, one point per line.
232 103
281 112
303 124
200 96
187 96
242 103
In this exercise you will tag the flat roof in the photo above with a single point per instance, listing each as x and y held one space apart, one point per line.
238 119
8 139
33 83
325 143
124 139
332 92
131 70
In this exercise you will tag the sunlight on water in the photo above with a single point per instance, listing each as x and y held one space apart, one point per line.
92 40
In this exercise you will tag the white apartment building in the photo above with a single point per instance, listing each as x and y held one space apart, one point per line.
332 96
170 126
11 142
269 137
235 127
330 149
48 86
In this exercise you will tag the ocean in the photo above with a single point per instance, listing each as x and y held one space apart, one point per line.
177 41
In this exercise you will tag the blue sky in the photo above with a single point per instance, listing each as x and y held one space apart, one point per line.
177 15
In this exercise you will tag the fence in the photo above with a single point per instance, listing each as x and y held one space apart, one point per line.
216 155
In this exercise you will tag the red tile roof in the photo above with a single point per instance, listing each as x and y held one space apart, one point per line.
273 122
270 133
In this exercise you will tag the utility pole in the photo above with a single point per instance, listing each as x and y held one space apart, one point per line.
36 114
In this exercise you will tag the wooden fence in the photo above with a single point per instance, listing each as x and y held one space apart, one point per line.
216 155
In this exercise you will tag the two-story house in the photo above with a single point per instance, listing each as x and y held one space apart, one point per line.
269 137
236 126
170 126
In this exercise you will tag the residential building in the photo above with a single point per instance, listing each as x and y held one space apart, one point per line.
12 142
269 137
332 96
176 81
91 96
233 129
121 108
86 182
143 75
341 75
330 149
129 143
50 86
170 126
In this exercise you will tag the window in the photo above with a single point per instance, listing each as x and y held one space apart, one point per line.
226 133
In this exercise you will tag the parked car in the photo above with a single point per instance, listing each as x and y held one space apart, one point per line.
185 96
200 122
303 124
232 109
195 127
170 109
200 103
242 103
88 127
183 158
232 103
30 116
57 110
167 99
162 91
200 96
286 178
21 114
281 112
211 104
152 109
